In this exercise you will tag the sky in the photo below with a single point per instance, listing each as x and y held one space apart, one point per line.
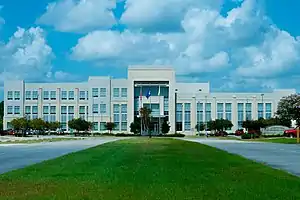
236 45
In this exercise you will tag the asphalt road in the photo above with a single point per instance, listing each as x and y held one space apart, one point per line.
280 156
15 156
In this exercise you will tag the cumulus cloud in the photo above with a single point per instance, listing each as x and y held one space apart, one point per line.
26 55
157 15
79 15
242 48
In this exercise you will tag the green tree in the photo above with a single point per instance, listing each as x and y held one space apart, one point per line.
135 126
1 124
289 109
1 110
200 126
20 124
110 126
38 124
53 126
79 125
165 127
219 124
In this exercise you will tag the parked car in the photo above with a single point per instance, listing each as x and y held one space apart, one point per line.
239 132
290 133
221 133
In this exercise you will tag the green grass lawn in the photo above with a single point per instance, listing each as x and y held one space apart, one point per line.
278 140
142 168
38 140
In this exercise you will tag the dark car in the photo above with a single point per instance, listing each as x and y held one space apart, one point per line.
221 134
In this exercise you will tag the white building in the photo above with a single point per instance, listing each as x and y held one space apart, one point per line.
102 99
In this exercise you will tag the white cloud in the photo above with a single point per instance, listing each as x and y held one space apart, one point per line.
243 46
79 15
2 21
157 15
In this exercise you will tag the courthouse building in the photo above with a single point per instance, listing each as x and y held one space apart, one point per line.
104 99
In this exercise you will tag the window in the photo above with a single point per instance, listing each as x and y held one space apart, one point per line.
124 113
207 112
228 111
179 116
248 111
102 92
95 108
52 109
102 108
124 126
240 114
64 118
53 95
28 95
187 116
116 111
17 110
116 92
27 110
268 110
34 110
124 92
64 95
95 92
71 109
220 110
46 95
17 95
35 95
82 95
45 109
9 110
95 126
71 95
46 118
9 95
63 110
166 106
52 118
199 113
81 110
260 111
102 126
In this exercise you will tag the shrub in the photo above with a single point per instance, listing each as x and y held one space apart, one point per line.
172 135
126 135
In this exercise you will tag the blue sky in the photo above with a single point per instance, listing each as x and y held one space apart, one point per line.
237 45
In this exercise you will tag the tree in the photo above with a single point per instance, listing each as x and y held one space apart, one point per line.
38 124
1 110
53 126
1 124
200 126
79 125
289 109
135 126
20 124
219 124
110 126
165 127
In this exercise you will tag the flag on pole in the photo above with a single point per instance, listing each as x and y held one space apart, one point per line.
148 95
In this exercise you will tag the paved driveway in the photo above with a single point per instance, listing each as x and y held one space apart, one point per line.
14 156
281 156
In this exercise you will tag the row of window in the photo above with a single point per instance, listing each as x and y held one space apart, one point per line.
65 95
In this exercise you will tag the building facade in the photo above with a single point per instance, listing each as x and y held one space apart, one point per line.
104 99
